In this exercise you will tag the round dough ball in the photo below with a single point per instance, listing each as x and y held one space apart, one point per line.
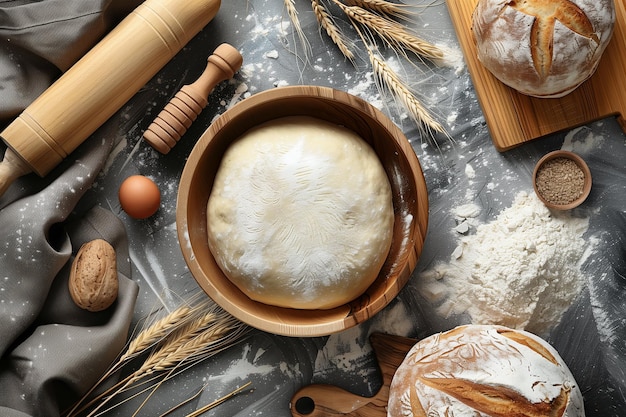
484 371
300 214
542 48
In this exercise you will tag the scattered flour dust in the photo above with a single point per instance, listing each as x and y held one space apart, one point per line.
250 364
522 270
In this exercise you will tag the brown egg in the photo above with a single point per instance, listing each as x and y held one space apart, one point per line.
139 196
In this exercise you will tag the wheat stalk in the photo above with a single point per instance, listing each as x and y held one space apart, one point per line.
198 343
292 12
389 78
375 17
393 33
147 338
183 337
193 347
326 22
186 401
219 401
194 343
158 330
155 333
383 7
169 347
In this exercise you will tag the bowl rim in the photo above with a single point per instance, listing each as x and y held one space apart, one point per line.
561 153
342 317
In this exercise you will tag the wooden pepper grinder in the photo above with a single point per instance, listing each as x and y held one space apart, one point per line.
99 84
174 120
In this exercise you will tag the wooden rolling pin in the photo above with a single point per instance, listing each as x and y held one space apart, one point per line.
99 84
183 109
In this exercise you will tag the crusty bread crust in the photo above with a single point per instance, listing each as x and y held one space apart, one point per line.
484 370
542 48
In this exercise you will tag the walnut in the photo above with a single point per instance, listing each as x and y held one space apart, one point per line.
93 282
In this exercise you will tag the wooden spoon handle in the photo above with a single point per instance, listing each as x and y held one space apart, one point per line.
319 400
183 109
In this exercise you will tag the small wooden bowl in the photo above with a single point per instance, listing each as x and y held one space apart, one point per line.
583 167
410 199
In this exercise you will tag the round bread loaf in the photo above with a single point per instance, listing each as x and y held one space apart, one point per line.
542 48
300 214
484 371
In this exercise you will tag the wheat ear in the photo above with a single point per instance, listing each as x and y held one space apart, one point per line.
292 12
384 7
393 33
191 340
177 352
389 78
155 333
326 22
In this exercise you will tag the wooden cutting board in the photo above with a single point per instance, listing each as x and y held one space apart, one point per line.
514 118
319 400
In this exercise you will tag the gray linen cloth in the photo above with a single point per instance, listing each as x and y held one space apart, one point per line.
51 350
40 39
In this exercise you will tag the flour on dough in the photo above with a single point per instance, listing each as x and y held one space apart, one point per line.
300 214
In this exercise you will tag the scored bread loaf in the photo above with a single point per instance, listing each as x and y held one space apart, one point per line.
484 371
542 48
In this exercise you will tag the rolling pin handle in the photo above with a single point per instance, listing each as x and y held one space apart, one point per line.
11 168
183 109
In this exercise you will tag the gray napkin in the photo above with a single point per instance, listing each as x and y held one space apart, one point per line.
40 39
51 350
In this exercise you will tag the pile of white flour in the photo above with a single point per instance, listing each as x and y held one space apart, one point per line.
521 270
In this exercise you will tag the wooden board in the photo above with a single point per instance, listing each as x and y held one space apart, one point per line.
514 118
319 400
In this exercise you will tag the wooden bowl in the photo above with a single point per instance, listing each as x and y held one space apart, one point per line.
410 201
586 185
